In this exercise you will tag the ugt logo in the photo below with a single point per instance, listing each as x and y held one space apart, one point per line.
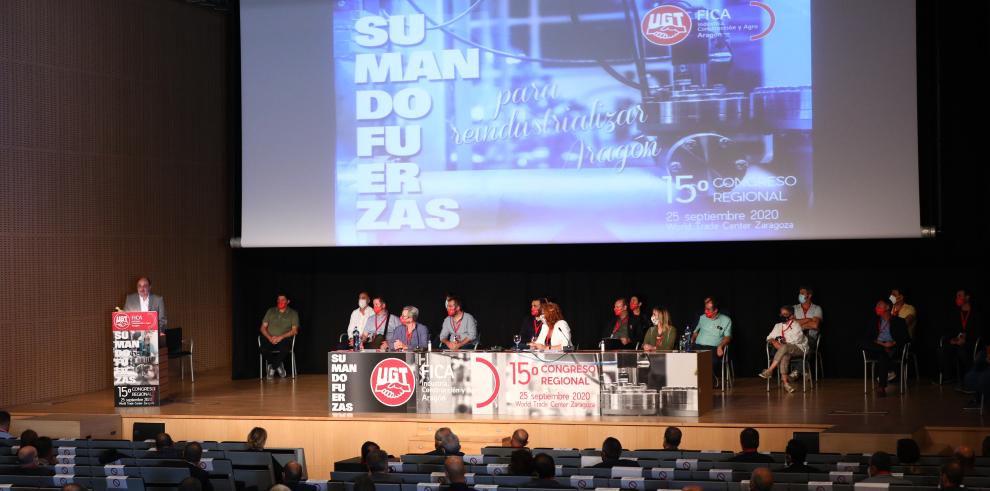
121 321
392 382
666 25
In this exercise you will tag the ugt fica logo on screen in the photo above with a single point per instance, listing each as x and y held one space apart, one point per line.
121 321
392 382
666 25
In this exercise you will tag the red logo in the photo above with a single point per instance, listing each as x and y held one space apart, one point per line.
121 321
666 25
392 382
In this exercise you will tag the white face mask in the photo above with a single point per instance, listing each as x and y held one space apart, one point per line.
893 299
801 298
362 303
656 320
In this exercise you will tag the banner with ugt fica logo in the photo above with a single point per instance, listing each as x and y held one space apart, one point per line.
464 122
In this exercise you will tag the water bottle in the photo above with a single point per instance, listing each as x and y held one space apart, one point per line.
356 336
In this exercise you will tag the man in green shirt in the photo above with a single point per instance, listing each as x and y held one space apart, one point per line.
278 327
713 332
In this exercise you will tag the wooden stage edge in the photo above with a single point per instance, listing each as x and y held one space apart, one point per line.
295 414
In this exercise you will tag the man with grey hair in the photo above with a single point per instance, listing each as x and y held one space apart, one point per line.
761 480
445 442
411 335
377 463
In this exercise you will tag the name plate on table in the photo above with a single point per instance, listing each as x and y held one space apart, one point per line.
116 482
871 485
847 466
486 486
841 477
66 459
66 450
618 472
686 464
441 478
633 483
427 486
590 460
395 467
662 473
583 482
497 469
60 480
819 486
65 469
113 470
474 459
319 485
206 464
724 475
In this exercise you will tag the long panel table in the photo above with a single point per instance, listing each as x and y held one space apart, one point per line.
521 383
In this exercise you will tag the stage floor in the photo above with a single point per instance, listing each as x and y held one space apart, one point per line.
216 407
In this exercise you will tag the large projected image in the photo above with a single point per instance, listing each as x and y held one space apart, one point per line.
466 121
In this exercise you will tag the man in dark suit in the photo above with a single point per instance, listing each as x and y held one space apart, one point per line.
794 456
377 462
545 471
193 453
164 448
884 340
749 440
27 457
611 453
453 466
445 442
144 301
880 466
292 475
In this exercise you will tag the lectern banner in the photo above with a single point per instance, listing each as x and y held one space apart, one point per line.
135 359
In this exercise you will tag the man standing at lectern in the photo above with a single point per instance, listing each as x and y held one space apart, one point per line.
278 327
145 301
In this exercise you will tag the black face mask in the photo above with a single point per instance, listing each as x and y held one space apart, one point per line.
784 318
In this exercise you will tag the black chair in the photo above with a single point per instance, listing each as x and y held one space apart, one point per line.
179 348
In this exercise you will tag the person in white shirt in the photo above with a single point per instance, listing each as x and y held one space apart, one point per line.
555 334
789 340
359 317
807 314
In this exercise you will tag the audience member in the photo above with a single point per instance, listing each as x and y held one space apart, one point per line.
279 487
368 447
189 484
519 438
966 458
5 425
110 456
546 469
377 462
76 487
27 458
164 448
951 476
445 442
292 477
46 450
795 456
364 483
672 438
749 440
611 455
256 439
761 479
879 471
453 467
28 437
908 455
521 463
192 454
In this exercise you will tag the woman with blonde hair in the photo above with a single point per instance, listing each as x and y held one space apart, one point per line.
663 335
555 333
256 439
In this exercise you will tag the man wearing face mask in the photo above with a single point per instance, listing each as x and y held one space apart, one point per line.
359 317
638 323
619 330
459 328
807 314
962 330
904 310
713 332
532 323
883 341
381 323
789 341
278 327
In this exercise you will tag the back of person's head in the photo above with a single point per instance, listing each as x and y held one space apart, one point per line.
364 483
377 461
450 443
292 472
544 466
190 484
453 466
4 420
761 480
672 438
521 462
880 462
520 438
966 457
796 451
908 451
951 475
193 452
279 487
439 435
162 441
28 437
72 487
27 455
611 449
749 439
367 447
257 438
44 446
